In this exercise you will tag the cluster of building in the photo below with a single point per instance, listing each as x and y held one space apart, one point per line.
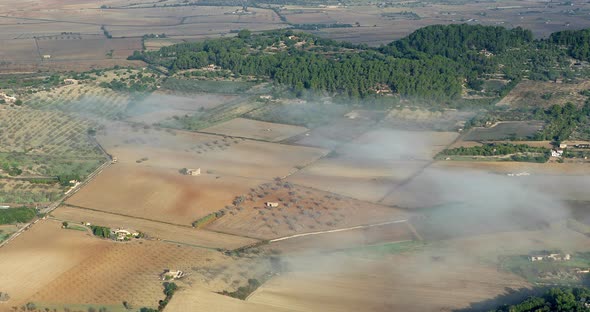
168 275
7 98
125 235
192 172
550 257
519 174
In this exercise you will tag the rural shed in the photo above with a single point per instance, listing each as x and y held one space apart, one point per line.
193 172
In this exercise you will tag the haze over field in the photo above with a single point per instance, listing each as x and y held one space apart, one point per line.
266 155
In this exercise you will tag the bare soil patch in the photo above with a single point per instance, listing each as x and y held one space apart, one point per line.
40 255
158 194
396 284
544 94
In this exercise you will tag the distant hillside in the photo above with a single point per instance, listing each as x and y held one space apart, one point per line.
434 62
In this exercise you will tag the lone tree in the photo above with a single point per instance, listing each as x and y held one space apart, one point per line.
64 224
244 34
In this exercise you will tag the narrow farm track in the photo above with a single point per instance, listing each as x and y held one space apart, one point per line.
417 173
358 227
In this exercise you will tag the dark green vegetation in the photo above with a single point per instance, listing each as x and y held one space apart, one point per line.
548 271
577 42
430 64
555 299
561 122
101 231
208 219
517 152
134 83
14 215
169 290
244 291
205 86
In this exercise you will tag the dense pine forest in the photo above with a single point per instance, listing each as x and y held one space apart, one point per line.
433 63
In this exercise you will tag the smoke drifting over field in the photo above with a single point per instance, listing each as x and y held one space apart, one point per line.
463 215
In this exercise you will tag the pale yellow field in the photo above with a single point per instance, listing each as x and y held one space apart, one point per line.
254 129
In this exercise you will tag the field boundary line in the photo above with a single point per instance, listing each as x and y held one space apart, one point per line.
417 173
157 221
337 230
414 231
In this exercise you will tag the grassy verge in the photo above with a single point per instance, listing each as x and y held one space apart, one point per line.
76 227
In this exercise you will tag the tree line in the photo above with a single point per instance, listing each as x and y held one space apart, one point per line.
555 299
431 63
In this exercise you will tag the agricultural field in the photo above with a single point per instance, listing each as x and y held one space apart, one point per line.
183 235
299 210
505 130
71 268
422 119
41 152
297 203
104 37
379 23
549 183
258 130
85 99
162 106
337 131
333 283
351 241
42 254
159 194
298 112
37 132
368 167
23 192
215 155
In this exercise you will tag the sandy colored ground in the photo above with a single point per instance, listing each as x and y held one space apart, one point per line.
454 181
509 167
258 130
160 106
223 156
398 283
40 255
356 178
92 280
300 210
159 194
368 167
397 232
197 299
157 230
